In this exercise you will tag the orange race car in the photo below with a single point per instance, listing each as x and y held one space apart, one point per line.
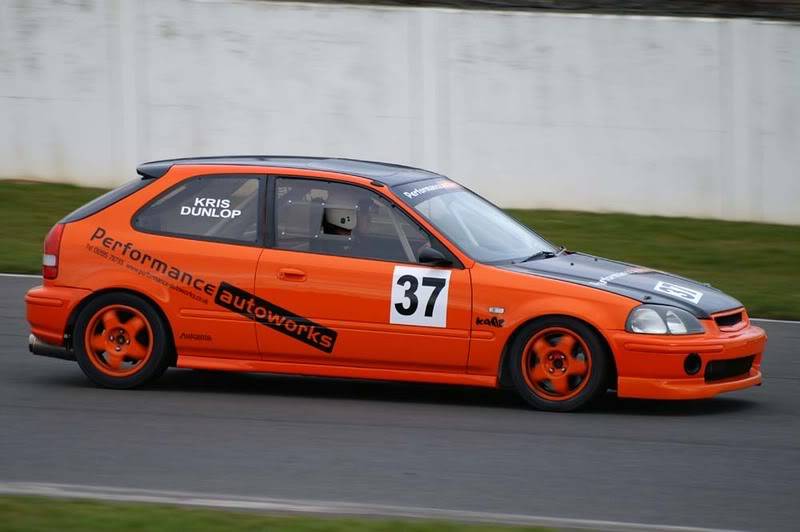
345 268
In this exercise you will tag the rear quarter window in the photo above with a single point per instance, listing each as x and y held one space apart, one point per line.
222 208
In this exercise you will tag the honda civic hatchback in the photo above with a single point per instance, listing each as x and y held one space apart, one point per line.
345 268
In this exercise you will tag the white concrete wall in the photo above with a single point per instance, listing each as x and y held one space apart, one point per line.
672 116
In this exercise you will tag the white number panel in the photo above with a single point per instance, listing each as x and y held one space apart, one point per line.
419 296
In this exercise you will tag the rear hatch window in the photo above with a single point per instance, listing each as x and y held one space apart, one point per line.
106 200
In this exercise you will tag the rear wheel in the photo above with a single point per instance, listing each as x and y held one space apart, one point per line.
559 364
121 341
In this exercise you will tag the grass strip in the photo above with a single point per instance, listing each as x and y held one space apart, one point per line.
25 514
757 263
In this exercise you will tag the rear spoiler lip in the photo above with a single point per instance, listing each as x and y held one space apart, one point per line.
154 170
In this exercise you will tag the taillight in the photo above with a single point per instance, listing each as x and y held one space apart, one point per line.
52 243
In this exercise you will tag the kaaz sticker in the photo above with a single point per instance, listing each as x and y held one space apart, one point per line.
419 296
494 321
681 292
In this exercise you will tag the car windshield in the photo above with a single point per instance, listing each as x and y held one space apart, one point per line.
477 227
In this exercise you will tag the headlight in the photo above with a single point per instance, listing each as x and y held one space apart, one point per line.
659 319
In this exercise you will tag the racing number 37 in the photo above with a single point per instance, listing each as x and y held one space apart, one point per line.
419 296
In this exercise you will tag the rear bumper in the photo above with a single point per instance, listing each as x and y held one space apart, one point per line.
653 367
48 309
38 347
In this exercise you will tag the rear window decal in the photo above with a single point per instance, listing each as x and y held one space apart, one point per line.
210 208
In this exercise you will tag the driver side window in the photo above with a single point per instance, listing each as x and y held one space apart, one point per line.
340 219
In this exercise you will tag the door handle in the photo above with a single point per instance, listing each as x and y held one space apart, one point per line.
291 274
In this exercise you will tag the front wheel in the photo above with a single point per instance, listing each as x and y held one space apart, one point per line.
121 341
559 364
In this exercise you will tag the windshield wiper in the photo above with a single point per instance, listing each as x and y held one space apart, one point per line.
545 254
540 255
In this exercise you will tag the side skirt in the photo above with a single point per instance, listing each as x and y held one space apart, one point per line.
319 370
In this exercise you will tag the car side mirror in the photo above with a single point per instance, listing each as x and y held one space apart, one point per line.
433 257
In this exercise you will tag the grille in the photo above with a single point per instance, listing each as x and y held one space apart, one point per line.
729 320
718 370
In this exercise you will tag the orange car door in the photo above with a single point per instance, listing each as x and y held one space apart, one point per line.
204 231
349 291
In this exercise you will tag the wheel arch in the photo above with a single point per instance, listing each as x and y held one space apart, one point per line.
504 370
70 326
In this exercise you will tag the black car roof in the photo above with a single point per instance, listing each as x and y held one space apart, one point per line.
386 173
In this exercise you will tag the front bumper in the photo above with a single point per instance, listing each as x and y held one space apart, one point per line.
652 367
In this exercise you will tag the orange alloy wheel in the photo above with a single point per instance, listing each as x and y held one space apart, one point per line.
556 364
118 340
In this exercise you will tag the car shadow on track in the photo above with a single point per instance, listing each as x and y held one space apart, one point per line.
611 404
333 388
210 382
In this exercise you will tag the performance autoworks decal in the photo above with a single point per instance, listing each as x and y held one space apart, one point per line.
275 317
128 255
131 257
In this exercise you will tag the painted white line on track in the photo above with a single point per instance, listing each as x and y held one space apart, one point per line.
34 276
768 320
302 506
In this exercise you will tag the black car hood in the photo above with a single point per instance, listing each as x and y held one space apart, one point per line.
635 282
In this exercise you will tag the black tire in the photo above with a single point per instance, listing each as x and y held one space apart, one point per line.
159 341
598 373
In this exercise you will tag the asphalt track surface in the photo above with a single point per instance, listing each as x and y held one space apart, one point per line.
731 462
